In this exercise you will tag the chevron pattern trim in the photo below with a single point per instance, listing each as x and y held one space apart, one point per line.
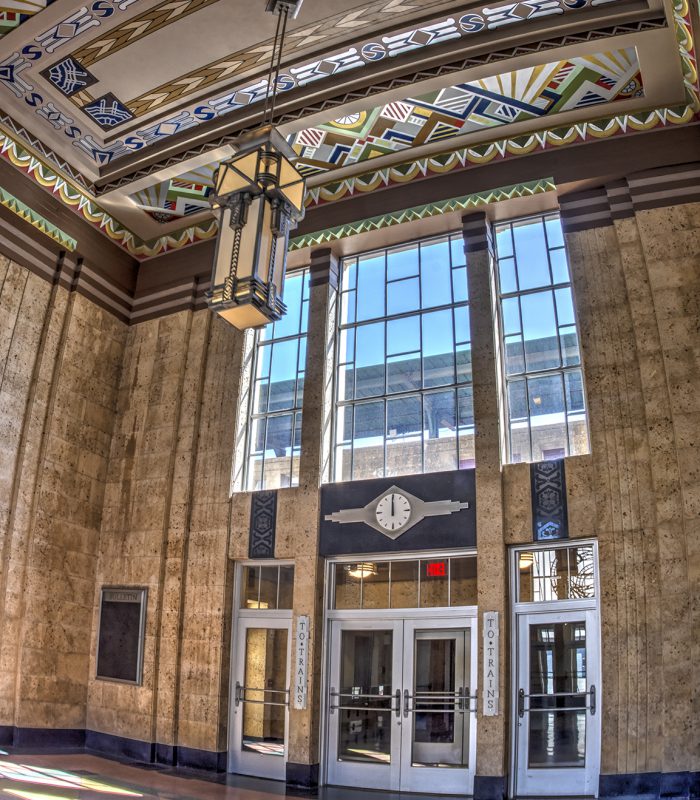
28 214
470 201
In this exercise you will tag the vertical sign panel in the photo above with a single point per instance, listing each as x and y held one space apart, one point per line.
490 663
301 662
549 512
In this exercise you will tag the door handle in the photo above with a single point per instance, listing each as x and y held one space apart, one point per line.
405 702
592 705
237 695
521 702
397 708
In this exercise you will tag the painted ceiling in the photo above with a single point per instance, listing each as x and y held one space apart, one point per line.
124 108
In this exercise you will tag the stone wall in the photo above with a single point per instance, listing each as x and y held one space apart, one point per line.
60 360
116 456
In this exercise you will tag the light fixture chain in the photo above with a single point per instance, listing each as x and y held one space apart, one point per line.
283 16
271 71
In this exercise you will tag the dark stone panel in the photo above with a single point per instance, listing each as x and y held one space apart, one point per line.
263 520
166 754
651 785
7 733
549 510
120 746
192 758
302 775
57 738
445 531
489 787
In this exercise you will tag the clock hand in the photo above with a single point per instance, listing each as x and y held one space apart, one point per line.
392 504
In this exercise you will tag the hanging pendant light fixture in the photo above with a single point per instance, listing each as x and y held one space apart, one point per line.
258 196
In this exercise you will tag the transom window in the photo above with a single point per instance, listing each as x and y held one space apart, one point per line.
542 361
403 382
274 428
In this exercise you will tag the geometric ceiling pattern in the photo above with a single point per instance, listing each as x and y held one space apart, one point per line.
394 88
528 94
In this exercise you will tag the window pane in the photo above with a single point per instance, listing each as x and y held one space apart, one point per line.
460 289
404 436
465 421
560 268
504 241
463 581
531 255
283 373
519 421
290 324
404 584
403 371
368 456
278 451
555 237
547 416
438 349
457 250
370 287
540 331
286 587
347 307
268 587
434 584
369 359
439 422
403 296
375 586
403 335
435 274
506 271
402 262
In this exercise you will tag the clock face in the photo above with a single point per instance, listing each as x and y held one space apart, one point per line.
393 511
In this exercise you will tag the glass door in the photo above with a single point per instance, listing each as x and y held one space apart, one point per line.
260 698
401 710
439 707
558 713
364 704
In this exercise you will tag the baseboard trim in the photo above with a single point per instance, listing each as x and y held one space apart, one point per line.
489 787
651 786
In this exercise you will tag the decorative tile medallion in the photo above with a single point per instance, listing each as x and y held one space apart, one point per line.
107 111
549 510
263 518
69 76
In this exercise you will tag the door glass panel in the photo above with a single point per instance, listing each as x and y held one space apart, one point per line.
364 697
264 694
557 718
439 718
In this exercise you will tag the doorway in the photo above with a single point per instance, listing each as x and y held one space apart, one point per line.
401 704
556 673
260 675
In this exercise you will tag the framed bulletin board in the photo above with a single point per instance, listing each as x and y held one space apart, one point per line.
121 634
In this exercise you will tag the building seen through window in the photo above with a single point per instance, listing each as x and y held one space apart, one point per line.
274 427
545 401
403 380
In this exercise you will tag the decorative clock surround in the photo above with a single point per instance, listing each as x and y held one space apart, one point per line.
413 512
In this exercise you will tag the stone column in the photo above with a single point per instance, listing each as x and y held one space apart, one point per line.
491 554
298 513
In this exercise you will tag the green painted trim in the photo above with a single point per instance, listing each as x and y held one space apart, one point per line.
463 203
23 211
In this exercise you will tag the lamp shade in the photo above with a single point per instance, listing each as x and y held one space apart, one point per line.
259 197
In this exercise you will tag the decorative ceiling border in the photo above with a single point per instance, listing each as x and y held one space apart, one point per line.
422 212
603 128
16 206
88 209
438 70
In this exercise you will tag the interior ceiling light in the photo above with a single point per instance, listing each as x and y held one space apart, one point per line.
363 569
525 561
258 196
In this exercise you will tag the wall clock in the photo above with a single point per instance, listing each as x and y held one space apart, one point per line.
395 511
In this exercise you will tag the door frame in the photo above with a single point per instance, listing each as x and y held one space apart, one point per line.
387 614
243 618
555 606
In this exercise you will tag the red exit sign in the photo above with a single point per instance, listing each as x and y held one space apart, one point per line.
436 569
